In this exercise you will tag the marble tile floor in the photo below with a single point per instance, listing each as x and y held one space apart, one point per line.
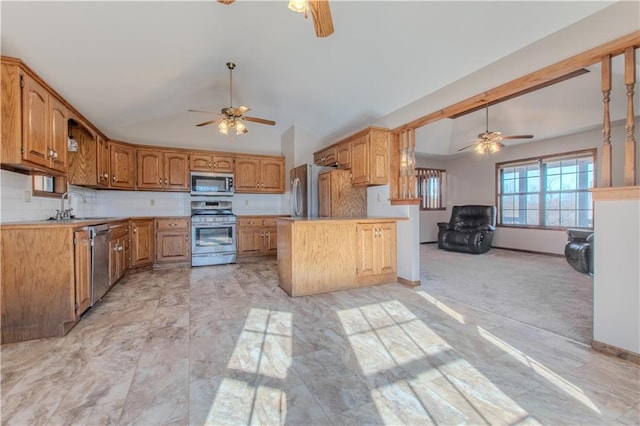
224 345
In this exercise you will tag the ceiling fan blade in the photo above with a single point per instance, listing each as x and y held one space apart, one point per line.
206 123
518 137
226 1
321 14
468 146
260 120
198 110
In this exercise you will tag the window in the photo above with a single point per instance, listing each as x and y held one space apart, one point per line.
430 188
548 192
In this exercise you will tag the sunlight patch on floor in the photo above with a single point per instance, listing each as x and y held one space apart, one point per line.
557 380
265 344
424 380
443 307
237 402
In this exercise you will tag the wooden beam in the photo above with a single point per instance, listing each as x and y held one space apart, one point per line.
536 78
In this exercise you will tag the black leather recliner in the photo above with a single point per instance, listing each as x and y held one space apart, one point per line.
469 230
578 250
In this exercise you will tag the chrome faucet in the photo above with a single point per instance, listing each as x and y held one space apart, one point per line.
66 213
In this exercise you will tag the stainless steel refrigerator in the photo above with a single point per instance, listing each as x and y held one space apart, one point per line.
304 190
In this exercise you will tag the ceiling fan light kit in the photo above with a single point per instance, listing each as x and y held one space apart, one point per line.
232 118
491 142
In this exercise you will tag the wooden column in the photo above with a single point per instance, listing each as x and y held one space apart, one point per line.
606 124
630 143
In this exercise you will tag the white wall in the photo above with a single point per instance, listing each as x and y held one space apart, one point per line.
616 291
408 253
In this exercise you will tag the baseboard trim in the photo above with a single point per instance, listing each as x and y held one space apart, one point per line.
529 251
615 351
429 242
408 283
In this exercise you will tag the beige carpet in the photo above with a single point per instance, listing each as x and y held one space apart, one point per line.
542 291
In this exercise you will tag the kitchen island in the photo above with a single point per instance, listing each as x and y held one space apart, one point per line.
320 255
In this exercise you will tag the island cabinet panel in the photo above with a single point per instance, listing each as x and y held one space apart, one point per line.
376 251
38 283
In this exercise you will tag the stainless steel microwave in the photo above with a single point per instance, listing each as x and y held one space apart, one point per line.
203 183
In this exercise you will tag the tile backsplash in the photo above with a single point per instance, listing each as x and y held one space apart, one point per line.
17 204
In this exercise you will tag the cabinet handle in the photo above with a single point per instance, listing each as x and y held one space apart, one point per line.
135 229
165 181
160 181
186 238
209 163
106 176
114 178
55 154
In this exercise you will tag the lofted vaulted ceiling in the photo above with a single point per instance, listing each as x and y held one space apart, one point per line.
135 68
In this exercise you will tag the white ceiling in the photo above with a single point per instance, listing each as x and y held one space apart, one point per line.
135 68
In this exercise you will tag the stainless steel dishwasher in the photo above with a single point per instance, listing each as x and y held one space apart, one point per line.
99 261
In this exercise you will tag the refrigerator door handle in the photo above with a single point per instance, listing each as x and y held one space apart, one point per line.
296 198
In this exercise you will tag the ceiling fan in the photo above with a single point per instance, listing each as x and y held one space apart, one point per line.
320 12
231 118
489 142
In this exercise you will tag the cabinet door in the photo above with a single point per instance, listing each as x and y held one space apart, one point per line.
378 173
35 107
121 166
102 167
150 169
386 248
324 194
343 155
201 163
173 247
142 240
114 269
366 234
270 241
272 176
176 171
82 243
247 175
360 160
58 132
223 164
250 241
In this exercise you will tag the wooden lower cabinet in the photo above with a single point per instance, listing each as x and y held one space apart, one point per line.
173 239
82 270
119 250
323 255
257 236
142 242
376 249
39 287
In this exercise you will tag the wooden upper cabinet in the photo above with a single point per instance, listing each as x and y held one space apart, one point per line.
44 127
207 162
326 157
162 170
150 172
122 165
102 162
176 171
248 174
259 175
272 176
370 158
343 155
36 120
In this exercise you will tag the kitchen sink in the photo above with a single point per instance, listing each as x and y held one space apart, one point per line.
53 219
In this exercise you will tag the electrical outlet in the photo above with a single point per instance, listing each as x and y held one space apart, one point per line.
378 197
246 202
27 196
152 202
